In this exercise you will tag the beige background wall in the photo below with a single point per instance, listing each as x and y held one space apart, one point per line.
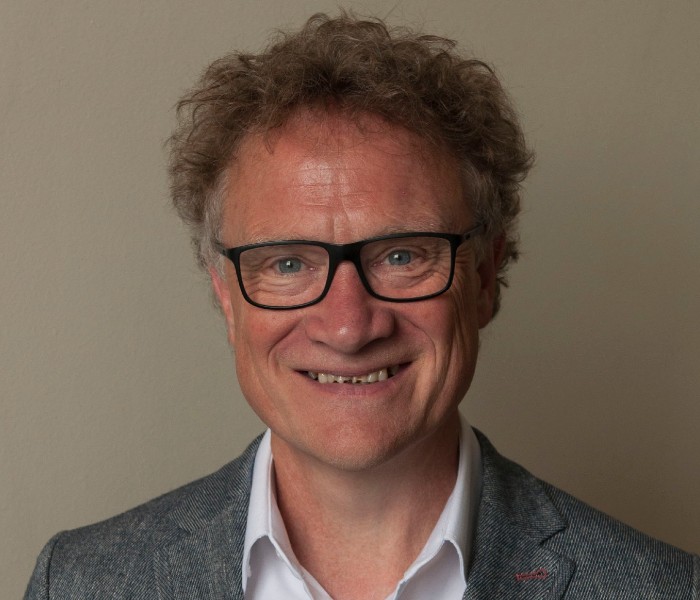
116 383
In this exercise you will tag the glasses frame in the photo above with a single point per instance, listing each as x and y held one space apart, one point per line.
338 253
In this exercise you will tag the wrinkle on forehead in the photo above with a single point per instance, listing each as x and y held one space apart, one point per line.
330 168
336 134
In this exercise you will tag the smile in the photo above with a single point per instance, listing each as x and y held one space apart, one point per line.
373 377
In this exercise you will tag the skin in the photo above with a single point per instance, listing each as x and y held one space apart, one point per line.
355 464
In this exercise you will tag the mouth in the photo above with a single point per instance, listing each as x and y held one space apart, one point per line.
365 379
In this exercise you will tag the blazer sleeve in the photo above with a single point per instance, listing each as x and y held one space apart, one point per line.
38 587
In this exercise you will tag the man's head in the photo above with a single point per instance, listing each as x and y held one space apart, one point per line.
365 183
356 67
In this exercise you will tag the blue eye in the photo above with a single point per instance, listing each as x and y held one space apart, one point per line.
289 266
399 258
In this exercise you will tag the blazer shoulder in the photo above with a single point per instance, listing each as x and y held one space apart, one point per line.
122 548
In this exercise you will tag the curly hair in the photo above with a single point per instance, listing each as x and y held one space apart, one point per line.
412 80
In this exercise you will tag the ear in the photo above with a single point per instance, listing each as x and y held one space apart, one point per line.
223 294
488 270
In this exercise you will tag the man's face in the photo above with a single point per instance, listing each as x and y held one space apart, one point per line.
322 178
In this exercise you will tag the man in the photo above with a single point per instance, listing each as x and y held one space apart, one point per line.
352 193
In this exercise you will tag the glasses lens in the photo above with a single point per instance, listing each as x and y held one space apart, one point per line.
408 267
281 275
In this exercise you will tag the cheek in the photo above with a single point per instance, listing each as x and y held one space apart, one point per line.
450 343
260 334
462 322
450 321
449 335
252 353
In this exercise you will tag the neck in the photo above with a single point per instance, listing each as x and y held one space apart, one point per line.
358 531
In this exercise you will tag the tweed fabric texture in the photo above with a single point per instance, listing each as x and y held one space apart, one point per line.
532 541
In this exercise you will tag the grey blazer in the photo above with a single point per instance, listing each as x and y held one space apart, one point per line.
532 541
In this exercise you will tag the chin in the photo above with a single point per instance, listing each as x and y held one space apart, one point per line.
356 462
358 451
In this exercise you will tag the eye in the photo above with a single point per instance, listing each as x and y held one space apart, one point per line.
289 266
399 258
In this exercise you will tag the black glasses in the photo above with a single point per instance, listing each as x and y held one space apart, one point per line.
402 267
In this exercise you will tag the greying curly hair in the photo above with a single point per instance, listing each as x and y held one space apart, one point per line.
361 66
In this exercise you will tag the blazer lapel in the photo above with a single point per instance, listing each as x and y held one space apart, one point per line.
204 560
515 518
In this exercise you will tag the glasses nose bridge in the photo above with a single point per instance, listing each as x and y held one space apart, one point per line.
340 253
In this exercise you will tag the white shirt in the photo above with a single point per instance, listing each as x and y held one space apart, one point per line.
271 570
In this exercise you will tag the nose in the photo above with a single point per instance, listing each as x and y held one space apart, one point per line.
348 318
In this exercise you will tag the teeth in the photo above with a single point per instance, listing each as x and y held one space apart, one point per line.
373 377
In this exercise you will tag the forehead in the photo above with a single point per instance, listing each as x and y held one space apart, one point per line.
325 176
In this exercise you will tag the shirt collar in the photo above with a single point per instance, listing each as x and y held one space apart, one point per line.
264 518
